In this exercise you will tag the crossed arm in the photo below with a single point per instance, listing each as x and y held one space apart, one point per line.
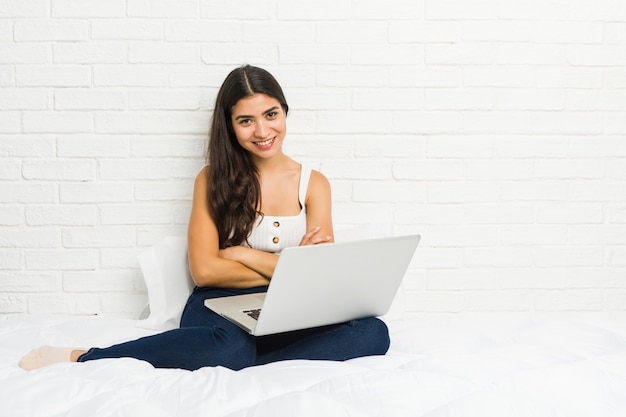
239 266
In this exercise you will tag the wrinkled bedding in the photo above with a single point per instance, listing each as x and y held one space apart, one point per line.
512 365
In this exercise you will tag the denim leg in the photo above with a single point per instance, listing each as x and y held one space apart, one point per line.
357 338
204 339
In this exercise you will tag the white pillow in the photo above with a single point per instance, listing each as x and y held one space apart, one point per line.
166 272
165 269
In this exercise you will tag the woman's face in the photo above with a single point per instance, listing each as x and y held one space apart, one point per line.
259 123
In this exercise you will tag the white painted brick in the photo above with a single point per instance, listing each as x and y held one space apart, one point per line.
615 123
567 32
429 170
390 10
28 282
20 237
397 146
435 301
11 303
126 29
163 8
465 236
256 32
28 192
11 259
63 215
59 170
135 214
163 190
594 191
532 9
351 32
20 99
82 304
364 213
535 146
539 122
201 31
88 8
146 146
457 9
497 31
460 54
90 53
124 258
357 170
161 122
93 146
56 122
366 122
441 99
424 32
319 146
61 259
568 77
163 53
615 77
390 99
462 279
26 146
510 300
398 54
53 76
615 300
617 256
569 256
290 10
149 235
503 169
534 191
323 99
169 100
389 192
9 122
569 213
6 31
439 258
567 300
98 237
89 99
498 76
533 278
351 77
123 304
597 147
596 55
498 213
426 122
499 257
6 76
130 76
428 214
99 281
598 234
467 146
609 278
612 10
516 99
11 215
573 169
244 10
462 192
616 214
285 54
27 9
528 235
50 30
95 192
151 169
11 169
24 53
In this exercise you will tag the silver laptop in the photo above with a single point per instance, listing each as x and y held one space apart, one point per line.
323 284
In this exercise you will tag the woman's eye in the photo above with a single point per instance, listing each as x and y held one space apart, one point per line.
271 114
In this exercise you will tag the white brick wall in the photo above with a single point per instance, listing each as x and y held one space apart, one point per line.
495 128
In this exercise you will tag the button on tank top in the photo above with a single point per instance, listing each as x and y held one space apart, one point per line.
274 233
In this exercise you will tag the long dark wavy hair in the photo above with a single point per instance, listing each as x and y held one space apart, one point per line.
234 191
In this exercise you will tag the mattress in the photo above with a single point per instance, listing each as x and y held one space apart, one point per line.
512 365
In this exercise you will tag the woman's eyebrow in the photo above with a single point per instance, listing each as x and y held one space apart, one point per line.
243 116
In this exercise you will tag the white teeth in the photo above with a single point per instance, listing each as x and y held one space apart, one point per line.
265 142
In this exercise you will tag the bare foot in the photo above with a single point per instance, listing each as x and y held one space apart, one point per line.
49 355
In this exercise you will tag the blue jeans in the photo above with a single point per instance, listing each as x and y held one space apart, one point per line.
206 339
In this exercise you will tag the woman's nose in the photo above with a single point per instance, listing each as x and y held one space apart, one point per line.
261 130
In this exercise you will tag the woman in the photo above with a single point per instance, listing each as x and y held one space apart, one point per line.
249 202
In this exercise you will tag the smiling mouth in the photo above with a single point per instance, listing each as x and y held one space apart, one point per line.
264 143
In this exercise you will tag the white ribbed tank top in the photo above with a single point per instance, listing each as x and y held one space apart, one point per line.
274 233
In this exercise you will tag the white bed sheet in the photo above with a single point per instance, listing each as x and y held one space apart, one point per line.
480 365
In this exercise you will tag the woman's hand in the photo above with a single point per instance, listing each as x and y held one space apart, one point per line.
312 238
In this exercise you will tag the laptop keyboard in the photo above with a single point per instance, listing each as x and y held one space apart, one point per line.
254 313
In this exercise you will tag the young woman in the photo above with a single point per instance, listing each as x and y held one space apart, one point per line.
249 202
